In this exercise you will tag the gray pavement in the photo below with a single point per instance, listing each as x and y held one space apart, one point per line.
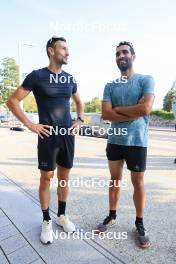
20 230
88 206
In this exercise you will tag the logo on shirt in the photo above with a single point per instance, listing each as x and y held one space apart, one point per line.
137 168
44 163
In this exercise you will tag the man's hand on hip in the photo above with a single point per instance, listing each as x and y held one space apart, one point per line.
39 129
75 127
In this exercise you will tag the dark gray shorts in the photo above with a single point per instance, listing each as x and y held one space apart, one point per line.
134 156
55 150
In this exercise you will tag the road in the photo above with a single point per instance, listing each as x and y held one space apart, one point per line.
87 206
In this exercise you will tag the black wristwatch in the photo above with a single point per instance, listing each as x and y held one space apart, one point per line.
79 118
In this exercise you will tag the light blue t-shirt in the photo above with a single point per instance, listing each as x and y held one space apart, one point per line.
128 94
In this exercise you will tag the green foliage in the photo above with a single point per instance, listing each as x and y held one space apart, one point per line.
169 98
93 106
72 107
163 114
9 78
30 104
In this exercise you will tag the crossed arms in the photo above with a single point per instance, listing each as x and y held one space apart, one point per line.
128 113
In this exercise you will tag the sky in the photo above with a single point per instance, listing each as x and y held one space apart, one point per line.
93 29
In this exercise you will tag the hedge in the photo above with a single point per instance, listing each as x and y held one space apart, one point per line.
163 114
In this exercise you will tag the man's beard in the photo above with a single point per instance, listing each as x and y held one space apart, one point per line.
125 66
64 61
60 62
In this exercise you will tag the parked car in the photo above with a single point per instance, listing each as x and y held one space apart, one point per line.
17 128
95 129
4 118
85 130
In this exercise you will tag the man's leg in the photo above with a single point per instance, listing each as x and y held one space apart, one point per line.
115 168
44 195
44 188
139 195
139 198
62 189
62 192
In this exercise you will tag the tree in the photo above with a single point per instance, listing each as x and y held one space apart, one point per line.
169 98
30 104
93 106
9 78
72 107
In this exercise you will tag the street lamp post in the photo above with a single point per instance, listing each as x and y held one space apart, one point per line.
174 111
20 44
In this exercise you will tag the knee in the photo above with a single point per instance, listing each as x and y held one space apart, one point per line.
62 183
46 177
115 183
63 178
138 184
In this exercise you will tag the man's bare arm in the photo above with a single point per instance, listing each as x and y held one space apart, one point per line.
79 105
108 113
141 109
79 110
13 104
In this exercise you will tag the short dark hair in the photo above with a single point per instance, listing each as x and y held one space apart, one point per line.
128 44
51 42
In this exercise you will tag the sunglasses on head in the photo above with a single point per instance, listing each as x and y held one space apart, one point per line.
125 43
53 39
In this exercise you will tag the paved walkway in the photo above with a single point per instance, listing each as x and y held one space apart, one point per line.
86 207
19 234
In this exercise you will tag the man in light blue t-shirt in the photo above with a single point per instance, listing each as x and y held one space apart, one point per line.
127 103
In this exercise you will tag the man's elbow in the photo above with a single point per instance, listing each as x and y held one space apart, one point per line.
146 110
105 115
79 103
10 103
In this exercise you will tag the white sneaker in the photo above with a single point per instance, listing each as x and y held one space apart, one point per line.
46 236
67 225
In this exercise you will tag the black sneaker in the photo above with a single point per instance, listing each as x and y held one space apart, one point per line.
143 239
108 222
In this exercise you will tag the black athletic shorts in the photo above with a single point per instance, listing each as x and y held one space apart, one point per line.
55 150
134 156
